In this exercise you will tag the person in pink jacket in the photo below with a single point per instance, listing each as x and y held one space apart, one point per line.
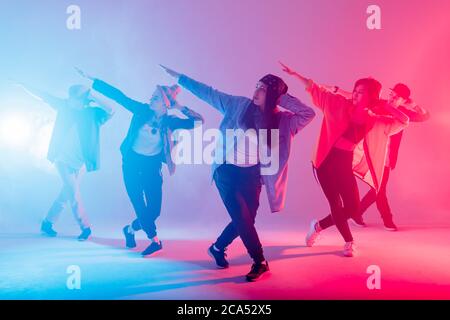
352 142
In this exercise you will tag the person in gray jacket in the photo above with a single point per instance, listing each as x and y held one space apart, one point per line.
239 182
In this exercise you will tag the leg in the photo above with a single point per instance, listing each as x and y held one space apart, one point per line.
382 200
337 180
328 184
230 233
79 213
60 202
367 201
133 185
152 181
242 216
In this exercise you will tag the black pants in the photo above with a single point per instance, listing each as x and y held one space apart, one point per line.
143 182
380 198
341 190
239 189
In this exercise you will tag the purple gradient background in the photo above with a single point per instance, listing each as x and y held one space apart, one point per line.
230 45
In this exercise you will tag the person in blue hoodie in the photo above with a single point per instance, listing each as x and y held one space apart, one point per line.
74 148
240 182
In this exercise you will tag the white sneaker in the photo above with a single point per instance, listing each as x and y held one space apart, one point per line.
313 234
349 249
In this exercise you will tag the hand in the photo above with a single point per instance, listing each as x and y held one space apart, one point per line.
83 74
171 72
286 69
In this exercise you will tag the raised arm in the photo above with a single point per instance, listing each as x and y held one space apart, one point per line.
114 94
215 98
54 102
415 112
301 115
321 96
192 118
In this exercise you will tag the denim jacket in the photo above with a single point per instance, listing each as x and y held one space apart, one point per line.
233 107
141 114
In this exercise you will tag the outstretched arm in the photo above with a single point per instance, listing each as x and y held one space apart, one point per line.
305 81
44 96
113 93
217 99
321 97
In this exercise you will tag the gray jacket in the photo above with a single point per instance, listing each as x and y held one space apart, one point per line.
232 108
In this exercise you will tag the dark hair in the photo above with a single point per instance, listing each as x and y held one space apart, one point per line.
270 119
374 88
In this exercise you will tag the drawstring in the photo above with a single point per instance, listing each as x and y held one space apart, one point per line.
315 173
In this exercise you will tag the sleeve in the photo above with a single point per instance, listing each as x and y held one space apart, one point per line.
118 96
188 123
218 100
301 114
322 98
416 113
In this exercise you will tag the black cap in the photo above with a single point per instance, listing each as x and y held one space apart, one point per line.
402 90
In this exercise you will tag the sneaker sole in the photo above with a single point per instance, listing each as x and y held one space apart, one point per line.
261 277
390 229
218 267
47 235
152 254
358 225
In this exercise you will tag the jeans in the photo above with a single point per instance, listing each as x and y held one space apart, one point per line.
143 182
70 193
239 189
380 198
341 190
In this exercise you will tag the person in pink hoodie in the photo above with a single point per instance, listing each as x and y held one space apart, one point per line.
352 142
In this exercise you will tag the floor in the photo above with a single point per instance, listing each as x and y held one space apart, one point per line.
413 263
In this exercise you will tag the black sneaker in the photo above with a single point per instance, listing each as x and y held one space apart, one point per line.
358 221
219 257
258 269
152 249
130 242
389 225
47 229
85 234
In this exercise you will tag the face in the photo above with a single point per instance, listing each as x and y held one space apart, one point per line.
259 97
395 100
157 103
361 96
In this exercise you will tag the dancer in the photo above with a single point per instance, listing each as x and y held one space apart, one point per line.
147 145
74 148
348 123
399 96
239 184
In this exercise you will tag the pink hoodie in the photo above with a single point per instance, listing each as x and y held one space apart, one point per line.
369 156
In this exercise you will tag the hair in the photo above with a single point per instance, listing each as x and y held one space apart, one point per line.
270 114
373 87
